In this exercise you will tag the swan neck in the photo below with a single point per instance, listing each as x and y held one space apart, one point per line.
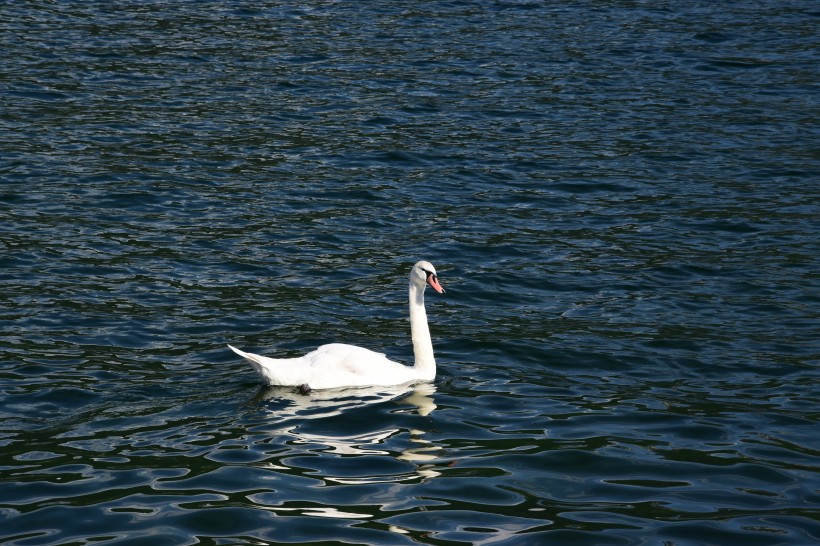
420 332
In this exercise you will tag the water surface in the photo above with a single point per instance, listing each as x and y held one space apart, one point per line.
621 200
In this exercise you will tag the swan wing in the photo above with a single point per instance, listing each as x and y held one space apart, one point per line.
341 365
330 366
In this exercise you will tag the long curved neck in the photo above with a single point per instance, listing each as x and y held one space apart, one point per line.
422 344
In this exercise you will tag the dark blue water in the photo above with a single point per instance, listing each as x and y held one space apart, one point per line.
621 199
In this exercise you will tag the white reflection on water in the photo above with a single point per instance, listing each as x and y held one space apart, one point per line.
289 403
322 512
290 409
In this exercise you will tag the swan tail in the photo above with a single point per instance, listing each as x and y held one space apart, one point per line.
247 356
274 371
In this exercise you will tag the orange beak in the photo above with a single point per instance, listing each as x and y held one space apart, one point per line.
432 280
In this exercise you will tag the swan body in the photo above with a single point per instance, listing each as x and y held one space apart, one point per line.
339 365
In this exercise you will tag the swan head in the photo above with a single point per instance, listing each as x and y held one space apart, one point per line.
423 273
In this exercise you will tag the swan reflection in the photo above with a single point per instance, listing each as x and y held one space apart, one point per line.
291 410
288 403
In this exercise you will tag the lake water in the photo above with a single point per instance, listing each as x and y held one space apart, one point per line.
621 199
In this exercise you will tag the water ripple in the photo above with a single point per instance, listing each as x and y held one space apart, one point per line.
621 201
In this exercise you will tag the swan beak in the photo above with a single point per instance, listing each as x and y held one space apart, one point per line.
432 280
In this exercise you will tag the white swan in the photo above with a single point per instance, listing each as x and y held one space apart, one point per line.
339 365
